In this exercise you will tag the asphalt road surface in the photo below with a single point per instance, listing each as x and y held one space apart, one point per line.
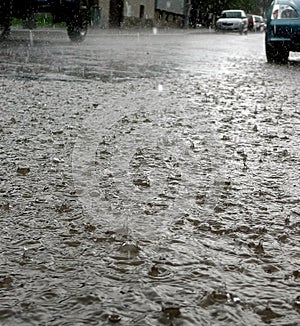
148 178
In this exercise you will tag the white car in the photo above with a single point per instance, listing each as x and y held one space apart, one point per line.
259 24
233 21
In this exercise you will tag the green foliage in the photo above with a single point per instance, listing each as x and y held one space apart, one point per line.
41 19
44 20
16 21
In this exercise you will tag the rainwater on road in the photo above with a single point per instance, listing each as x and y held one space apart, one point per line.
148 179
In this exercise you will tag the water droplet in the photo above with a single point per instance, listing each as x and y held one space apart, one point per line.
114 318
129 248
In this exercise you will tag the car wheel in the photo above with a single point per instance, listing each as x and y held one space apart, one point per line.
282 55
77 24
76 33
4 31
5 19
276 53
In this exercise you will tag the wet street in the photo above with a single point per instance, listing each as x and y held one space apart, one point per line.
148 179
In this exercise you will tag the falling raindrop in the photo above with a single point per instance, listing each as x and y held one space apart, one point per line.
31 38
129 248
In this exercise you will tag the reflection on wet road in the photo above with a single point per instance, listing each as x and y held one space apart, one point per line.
148 180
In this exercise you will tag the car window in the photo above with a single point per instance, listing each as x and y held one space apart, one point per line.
232 14
284 12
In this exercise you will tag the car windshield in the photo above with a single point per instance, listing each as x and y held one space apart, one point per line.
231 14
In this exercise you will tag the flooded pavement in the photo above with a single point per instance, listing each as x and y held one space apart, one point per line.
148 180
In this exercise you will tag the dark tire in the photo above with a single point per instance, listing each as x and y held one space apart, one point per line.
4 31
276 53
5 19
77 24
76 32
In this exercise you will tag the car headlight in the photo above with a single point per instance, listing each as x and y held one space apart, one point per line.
284 12
288 12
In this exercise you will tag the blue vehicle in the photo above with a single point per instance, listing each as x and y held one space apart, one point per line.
75 13
283 30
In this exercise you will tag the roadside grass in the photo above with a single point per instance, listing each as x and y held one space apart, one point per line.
39 20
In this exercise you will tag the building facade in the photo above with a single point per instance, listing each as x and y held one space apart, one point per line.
141 13
172 6
172 13
125 13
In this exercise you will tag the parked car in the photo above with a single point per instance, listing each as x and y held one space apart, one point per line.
232 21
283 30
259 24
256 23
75 13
